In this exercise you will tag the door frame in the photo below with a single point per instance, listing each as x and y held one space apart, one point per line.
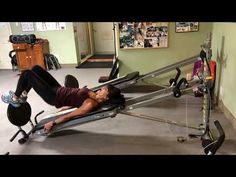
93 39
91 44
77 44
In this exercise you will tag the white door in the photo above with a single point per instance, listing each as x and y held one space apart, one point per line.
103 38
84 41
5 45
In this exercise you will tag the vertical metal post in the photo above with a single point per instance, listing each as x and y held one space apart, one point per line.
114 34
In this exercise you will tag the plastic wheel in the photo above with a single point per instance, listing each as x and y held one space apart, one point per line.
181 139
22 140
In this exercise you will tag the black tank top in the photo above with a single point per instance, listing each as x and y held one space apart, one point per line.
74 97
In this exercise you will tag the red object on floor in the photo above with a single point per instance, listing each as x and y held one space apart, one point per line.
212 68
101 58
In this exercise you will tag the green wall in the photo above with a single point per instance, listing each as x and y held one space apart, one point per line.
181 46
223 46
61 43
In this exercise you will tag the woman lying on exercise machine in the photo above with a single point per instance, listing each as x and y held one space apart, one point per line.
47 87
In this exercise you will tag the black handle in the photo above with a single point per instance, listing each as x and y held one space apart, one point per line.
174 81
177 75
183 80
216 143
35 118
220 139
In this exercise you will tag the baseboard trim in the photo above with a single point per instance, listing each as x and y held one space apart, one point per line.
227 113
68 65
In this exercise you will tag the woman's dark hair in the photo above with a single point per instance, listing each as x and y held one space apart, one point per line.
114 95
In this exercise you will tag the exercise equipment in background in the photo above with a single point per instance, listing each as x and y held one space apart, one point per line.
29 51
25 38
12 55
113 73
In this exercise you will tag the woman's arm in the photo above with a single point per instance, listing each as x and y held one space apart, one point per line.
64 108
86 107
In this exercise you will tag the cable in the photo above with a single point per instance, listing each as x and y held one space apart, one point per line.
186 115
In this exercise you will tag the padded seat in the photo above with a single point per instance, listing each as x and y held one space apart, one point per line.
119 80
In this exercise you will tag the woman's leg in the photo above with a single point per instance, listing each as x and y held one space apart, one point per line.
21 84
30 79
44 75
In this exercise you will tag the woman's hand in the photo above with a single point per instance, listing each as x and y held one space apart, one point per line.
48 126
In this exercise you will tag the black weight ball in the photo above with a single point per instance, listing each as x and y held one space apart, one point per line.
71 81
181 139
19 116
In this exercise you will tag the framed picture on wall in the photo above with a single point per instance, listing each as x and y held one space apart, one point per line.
182 27
50 26
138 35
27 26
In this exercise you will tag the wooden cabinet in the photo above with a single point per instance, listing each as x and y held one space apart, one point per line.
29 55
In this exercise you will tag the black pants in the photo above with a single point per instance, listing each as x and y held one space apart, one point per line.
44 84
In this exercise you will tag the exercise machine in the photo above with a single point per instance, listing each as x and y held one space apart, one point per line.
176 89
135 77
113 73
